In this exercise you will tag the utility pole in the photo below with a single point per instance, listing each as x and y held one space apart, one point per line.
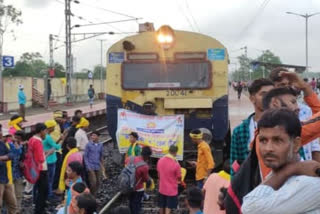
101 65
306 16
46 76
68 50
1 50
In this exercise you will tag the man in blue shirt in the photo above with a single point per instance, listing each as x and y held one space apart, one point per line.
22 99
93 159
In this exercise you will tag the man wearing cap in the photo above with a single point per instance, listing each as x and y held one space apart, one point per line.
50 147
205 163
81 134
22 102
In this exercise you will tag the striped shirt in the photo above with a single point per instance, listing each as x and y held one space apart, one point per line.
298 195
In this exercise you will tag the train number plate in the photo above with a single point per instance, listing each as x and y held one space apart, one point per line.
175 93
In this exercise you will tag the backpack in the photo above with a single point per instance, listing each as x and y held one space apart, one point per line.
31 169
127 177
90 92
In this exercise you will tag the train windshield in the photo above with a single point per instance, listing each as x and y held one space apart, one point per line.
193 75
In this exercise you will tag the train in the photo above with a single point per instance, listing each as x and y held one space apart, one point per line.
170 72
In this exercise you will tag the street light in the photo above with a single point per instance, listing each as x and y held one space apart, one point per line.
306 16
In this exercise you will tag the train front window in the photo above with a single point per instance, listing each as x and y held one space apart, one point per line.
192 75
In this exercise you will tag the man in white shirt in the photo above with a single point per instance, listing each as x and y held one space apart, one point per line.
81 134
292 188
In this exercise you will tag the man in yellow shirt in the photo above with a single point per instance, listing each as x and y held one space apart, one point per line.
205 163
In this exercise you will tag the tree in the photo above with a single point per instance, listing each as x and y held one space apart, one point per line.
8 15
30 64
96 72
266 57
243 73
59 70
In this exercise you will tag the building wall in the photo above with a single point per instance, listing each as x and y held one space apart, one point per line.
79 89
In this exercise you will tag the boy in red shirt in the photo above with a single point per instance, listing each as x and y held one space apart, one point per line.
169 173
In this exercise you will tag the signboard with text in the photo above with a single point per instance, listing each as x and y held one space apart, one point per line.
8 61
158 132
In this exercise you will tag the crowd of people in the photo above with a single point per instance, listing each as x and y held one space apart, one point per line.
274 164
59 164
278 149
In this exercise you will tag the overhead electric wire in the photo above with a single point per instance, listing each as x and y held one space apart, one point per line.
185 16
194 20
252 21
107 10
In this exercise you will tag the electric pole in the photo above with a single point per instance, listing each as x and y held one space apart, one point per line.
101 65
46 77
1 49
68 50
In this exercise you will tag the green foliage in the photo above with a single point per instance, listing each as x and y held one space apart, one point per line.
266 57
96 72
245 70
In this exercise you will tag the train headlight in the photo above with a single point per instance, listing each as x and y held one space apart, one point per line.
165 36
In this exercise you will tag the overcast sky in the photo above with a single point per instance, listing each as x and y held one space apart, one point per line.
235 23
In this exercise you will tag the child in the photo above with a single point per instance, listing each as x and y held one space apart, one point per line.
194 200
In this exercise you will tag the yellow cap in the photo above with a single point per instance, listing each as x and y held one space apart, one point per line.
83 123
50 123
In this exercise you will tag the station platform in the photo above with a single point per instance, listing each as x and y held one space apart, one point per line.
32 120
239 109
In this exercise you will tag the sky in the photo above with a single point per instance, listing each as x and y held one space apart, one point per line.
257 24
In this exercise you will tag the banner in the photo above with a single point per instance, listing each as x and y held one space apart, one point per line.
158 132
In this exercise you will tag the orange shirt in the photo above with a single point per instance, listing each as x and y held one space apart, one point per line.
309 132
204 160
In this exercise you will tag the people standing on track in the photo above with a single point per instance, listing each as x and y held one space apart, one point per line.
15 124
78 113
211 189
194 200
91 94
239 89
56 134
67 122
22 99
74 155
50 147
93 159
40 189
81 134
205 162
311 151
134 148
142 176
292 186
243 134
7 194
74 171
19 150
70 132
169 174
